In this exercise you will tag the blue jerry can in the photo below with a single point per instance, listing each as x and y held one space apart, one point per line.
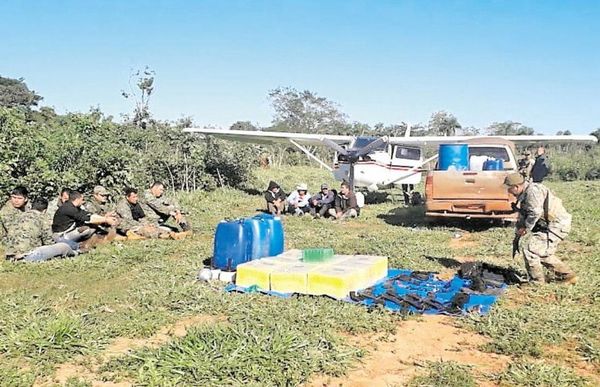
493 165
231 245
257 231
275 233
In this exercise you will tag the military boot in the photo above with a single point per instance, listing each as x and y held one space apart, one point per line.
567 279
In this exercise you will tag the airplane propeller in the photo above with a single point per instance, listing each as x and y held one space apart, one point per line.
354 154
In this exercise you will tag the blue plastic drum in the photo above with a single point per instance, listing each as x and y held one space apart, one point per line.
453 157
493 165
230 245
257 231
243 240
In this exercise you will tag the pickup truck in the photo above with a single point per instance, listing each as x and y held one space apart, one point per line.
473 193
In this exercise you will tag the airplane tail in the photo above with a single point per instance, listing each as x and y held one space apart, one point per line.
407 133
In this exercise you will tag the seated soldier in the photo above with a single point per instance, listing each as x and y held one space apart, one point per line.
14 207
98 204
17 203
322 202
25 235
299 200
275 199
72 223
345 205
156 204
132 219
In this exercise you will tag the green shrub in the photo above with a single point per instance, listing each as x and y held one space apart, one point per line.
82 150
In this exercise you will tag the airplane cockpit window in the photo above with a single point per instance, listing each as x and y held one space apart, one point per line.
361 142
407 153
497 153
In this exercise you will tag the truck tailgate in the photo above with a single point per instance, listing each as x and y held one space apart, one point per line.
469 185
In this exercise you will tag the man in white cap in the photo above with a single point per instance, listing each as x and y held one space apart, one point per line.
542 215
299 200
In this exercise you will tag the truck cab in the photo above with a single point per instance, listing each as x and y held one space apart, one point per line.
474 193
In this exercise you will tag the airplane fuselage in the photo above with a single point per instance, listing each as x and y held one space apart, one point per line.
392 166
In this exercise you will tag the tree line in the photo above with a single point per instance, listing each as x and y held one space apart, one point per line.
45 151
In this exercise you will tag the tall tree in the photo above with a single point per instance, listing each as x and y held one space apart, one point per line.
443 124
15 93
469 131
563 133
509 128
140 93
304 111
243 125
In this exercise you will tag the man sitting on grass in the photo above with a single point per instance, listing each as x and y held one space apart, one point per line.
156 204
299 200
133 221
72 223
345 205
322 202
275 198
24 233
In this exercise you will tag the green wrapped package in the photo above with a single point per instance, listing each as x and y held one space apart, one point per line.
317 255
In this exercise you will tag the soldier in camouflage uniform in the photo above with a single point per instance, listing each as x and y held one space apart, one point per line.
526 164
25 235
133 221
18 202
157 206
98 204
543 215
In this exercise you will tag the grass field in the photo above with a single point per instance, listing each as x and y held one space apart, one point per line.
116 314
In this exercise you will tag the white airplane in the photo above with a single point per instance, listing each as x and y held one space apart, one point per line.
370 162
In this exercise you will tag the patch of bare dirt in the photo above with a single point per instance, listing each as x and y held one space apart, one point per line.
465 240
121 346
395 360
565 353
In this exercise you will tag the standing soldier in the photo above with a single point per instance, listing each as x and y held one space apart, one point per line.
541 166
156 205
543 215
526 164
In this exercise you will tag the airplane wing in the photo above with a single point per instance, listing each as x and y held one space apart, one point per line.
263 137
434 140
260 137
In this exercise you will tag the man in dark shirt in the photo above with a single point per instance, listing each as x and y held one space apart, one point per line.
322 202
275 198
346 205
541 167
72 223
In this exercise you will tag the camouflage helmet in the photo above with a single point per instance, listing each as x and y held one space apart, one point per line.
513 179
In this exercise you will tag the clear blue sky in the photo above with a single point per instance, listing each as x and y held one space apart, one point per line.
536 62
